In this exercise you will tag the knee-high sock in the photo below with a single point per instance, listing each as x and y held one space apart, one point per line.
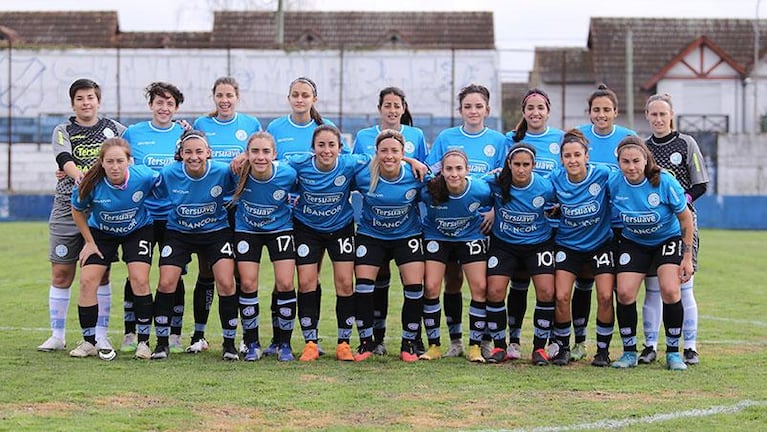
249 316
203 298
286 312
163 304
104 296
581 307
543 319
363 309
380 307
453 314
307 315
88 317
227 313
477 321
412 310
432 315
690 327
143 307
516 305
673 316
129 314
652 310
344 317
177 318
627 325
496 323
58 304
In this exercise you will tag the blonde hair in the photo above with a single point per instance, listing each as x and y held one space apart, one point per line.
375 164
244 169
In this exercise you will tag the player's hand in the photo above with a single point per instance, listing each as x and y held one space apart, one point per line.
88 250
686 269
184 124
487 221
237 162
60 174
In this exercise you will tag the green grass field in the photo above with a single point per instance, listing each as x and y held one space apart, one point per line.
51 391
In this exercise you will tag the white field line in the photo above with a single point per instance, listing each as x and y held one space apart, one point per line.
655 418
733 320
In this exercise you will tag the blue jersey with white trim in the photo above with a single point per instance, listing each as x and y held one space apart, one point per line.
457 219
485 149
415 143
547 145
294 139
263 206
198 204
584 221
522 220
227 138
323 201
391 210
154 147
119 210
602 148
648 213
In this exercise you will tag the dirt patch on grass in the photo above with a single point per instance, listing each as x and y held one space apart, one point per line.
53 409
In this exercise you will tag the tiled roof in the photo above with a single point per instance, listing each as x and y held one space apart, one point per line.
578 65
164 40
80 29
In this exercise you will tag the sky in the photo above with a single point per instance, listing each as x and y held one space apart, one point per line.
520 25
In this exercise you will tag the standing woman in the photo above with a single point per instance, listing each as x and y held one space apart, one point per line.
658 232
110 212
679 154
452 233
393 114
197 223
522 237
227 132
264 218
485 150
390 228
532 129
583 243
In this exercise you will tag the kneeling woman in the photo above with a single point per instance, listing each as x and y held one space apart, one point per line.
197 223
658 232
113 191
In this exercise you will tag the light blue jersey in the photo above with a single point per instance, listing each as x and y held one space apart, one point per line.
227 138
458 219
391 210
648 213
296 139
119 210
197 203
486 150
521 220
154 147
263 206
584 221
547 145
323 202
415 143
602 148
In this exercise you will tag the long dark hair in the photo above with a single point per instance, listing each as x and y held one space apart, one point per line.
521 130
97 172
406 118
651 169
505 179
312 111
187 135
437 186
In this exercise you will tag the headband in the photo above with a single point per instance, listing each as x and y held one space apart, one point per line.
456 153
306 81
535 93
521 149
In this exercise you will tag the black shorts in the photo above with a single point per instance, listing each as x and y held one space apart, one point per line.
136 246
310 244
178 247
504 259
597 261
377 252
281 246
464 252
636 258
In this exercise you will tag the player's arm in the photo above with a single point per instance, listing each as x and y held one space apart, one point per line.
685 221
89 248
62 147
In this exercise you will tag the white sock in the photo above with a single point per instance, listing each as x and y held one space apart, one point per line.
58 304
652 311
104 296
690 326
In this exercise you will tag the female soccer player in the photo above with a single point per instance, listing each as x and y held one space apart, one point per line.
678 153
452 233
197 223
393 114
390 228
227 132
110 212
521 237
264 218
658 232
583 241
485 150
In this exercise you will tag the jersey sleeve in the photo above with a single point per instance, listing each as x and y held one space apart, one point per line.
360 162
421 150
434 158
119 127
696 165
62 147
80 205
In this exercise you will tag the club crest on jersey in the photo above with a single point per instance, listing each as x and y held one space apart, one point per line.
594 189
108 133
340 180
489 150
492 262
278 195
561 257
303 250
243 247
554 148
410 194
361 251
675 158
624 259
409 147
538 202
166 251
241 135
432 246
653 199
137 196
215 191
61 251
473 206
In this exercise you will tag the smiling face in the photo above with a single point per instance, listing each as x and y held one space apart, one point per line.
632 162
326 148
389 155
659 115
521 165
575 160
261 153
454 171
602 114
115 163
391 111
225 96
536 113
474 110
195 154
85 105
301 99
163 109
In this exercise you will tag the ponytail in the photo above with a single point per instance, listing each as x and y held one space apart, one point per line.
313 113
437 188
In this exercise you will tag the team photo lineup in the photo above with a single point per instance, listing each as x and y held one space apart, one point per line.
593 208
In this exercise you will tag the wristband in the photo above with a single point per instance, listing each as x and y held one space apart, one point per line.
689 198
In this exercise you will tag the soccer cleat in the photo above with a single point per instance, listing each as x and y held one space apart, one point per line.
486 347
253 352
601 358
310 352
648 355
175 345
563 357
161 352
85 349
419 347
364 351
271 349
456 349
514 351
578 352
408 352
105 349
52 344
142 351
344 352
380 349
674 362
284 353
475 354
130 343
540 357
197 346
627 360
230 353
497 355
691 356
433 353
